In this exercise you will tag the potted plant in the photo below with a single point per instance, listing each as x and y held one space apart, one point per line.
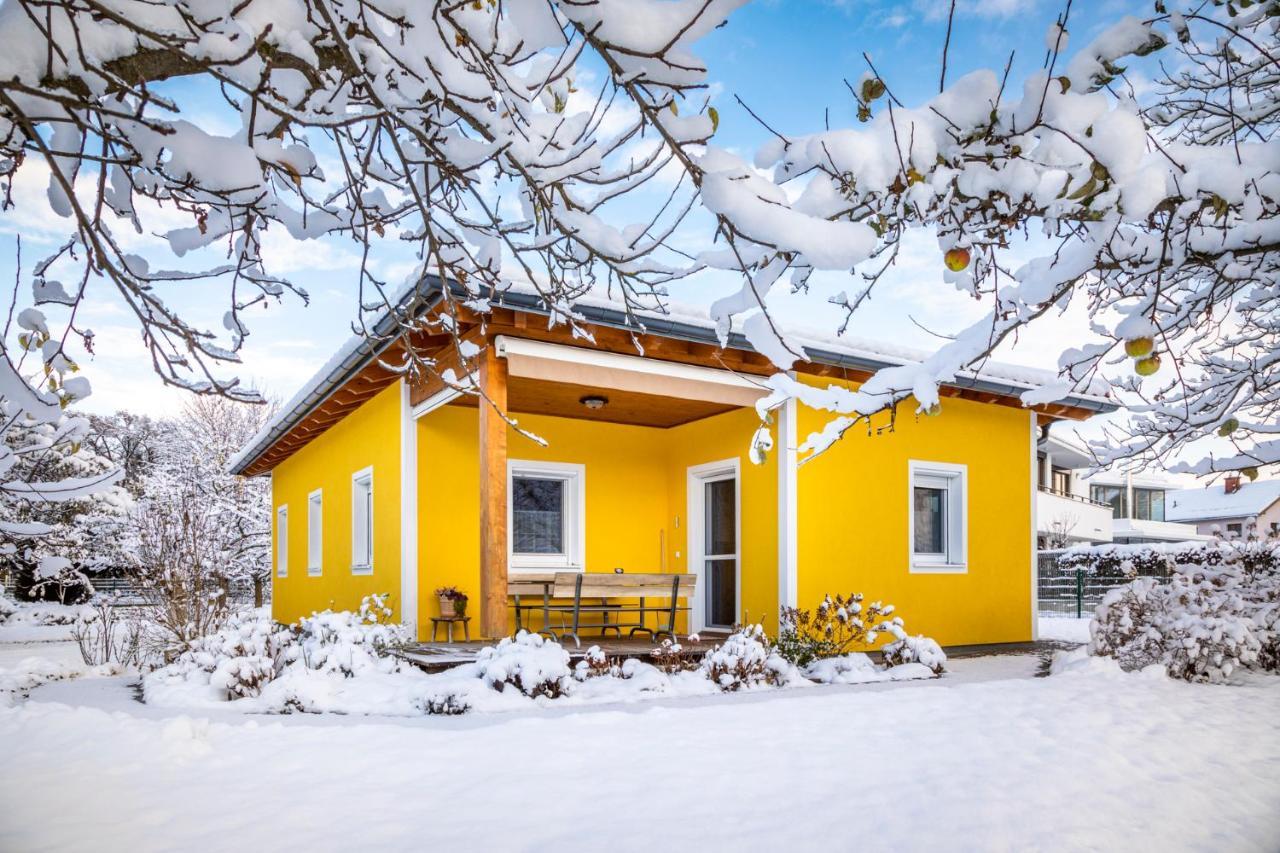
453 602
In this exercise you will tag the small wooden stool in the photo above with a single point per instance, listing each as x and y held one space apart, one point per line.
448 624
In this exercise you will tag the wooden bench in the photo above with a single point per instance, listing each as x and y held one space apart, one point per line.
609 598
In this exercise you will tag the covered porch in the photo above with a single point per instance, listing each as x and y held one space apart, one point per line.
606 463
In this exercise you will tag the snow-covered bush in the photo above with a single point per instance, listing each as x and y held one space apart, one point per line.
746 659
528 662
1218 612
918 649
596 664
251 651
670 657
105 635
841 624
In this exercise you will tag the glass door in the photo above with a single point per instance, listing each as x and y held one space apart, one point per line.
720 550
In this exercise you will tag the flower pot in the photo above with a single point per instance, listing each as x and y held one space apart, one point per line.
448 608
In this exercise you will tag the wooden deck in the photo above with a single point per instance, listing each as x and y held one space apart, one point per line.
435 657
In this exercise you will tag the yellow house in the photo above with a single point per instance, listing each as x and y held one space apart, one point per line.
631 453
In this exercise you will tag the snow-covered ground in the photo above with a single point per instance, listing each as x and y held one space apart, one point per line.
988 757
1064 628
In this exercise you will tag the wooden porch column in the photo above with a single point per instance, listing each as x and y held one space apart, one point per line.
493 495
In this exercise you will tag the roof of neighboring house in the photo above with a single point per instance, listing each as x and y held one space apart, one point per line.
1213 501
672 321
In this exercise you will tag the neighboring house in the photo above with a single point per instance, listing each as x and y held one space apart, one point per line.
1233 508
385 485
1065 513
1138 503
1074 508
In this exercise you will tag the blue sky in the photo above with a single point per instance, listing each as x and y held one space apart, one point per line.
787 60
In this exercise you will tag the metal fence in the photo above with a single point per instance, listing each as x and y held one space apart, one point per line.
1070 592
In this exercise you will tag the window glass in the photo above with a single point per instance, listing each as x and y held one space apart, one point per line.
282 541
720 508
930 520
362 521
1112 495
315 531
537 515
1148 504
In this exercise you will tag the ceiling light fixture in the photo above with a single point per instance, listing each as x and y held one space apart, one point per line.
594 401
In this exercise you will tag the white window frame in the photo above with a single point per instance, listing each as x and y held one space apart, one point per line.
955 479
315 556
575 515
358 567
282 541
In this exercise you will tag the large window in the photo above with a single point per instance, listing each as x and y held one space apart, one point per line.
1061 483
1148 504
315 532
547 520
362 521
1113 495
282 541
938 517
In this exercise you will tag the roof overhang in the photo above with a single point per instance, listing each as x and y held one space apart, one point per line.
363 351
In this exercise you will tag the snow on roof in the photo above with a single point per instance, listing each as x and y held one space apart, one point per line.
1214 502
359 349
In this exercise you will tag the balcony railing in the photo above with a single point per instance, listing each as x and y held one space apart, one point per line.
1070 496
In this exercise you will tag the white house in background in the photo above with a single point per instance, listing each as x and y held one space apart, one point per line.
1072 508
1065 514
1232 508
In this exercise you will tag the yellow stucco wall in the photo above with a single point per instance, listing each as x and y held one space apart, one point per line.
369 436
636 496
854 517
852 506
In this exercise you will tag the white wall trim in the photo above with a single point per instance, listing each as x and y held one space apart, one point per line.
788 542
443 397
697 475
1035 527
915 564
575 556
362 568
316 569
408 511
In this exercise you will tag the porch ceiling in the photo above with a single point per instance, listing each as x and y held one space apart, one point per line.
563 399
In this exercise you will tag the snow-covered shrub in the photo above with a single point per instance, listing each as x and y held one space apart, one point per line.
841 624
7 608
1218 612
242 676
251 651
528 662
105 635
670 657
918 649
746 659
596 664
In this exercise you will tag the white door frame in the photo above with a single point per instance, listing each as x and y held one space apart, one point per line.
698 476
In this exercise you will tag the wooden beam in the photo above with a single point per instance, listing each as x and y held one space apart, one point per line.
493 495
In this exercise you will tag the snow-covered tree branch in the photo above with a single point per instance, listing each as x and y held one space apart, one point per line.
1159 212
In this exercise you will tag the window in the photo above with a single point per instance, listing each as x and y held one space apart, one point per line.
282 541
362 521
1235 529
1148 504
1112 495
938 517
315 532
546 515
1061 481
